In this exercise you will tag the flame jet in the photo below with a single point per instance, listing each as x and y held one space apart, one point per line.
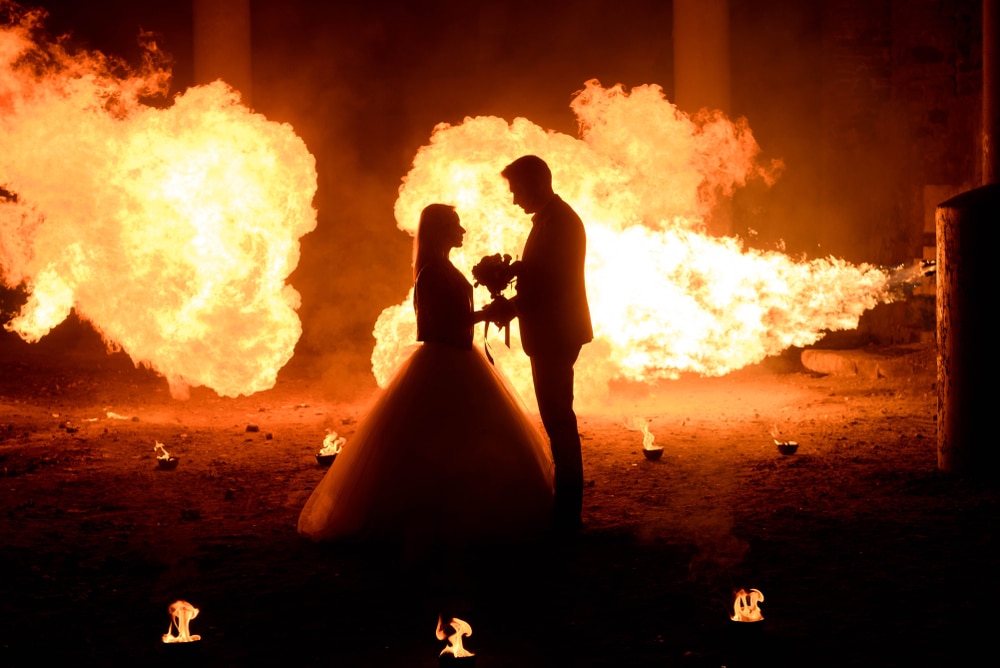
665 298
172 230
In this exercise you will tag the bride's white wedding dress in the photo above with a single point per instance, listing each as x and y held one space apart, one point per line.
446 455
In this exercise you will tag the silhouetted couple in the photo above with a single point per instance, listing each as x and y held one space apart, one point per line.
447 456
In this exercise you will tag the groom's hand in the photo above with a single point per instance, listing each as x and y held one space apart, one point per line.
500 311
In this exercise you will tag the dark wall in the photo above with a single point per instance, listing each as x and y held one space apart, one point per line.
873 105
901 100
777 85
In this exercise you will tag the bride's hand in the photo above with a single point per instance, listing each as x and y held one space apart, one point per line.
500 311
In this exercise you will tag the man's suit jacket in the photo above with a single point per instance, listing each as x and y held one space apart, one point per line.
551 296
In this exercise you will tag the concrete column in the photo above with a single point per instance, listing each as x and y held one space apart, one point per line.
966 332
702 73
701 55
222 44
991 91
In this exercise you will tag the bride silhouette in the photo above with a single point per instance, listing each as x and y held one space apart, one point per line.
446 456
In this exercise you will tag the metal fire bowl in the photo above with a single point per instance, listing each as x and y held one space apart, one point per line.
452 661
745 632
788 448
182 650
652 454
325 460
168 464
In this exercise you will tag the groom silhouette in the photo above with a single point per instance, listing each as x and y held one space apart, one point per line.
554 316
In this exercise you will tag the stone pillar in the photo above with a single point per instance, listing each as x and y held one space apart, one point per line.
701 55
222 44
702 72
966 367
991 91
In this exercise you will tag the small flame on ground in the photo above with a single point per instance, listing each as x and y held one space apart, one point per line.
181 614
775 434
161 451
332 444
641 424
745 606
460 628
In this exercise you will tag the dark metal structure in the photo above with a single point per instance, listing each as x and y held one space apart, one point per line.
965 296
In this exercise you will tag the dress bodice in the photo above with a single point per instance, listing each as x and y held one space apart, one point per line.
442 300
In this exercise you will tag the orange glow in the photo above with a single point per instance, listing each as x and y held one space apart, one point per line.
640 424
665 298
181 614
776 435
160 450
745 606
459 629
332 444
172 230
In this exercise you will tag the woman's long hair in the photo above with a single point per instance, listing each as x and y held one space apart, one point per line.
428 244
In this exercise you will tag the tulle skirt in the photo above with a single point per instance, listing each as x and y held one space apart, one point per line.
446 457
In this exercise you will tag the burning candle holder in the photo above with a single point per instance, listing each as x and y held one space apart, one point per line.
784 447
653 454
332 445
745 608
787 447
649 451
168 463
746 638
181 614
454 654
164 459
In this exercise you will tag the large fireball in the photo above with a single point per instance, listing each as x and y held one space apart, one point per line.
172 230
665 297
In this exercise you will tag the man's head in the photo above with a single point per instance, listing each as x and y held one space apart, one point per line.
530 182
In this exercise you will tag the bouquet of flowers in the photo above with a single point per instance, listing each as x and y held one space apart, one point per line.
494 272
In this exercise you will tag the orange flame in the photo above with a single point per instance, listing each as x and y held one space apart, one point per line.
160 450
776 435
459 629
641 424
665 298
171 230
181 614
332 444
745 606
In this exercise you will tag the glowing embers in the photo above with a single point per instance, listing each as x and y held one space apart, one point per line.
332 445
453 631
181 614
745 608
650 451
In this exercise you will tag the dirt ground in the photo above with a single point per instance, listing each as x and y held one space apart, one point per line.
866 555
